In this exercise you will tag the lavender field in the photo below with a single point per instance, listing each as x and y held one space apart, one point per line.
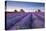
27 20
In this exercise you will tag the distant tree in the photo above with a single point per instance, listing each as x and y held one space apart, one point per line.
21 10
15 10
39 10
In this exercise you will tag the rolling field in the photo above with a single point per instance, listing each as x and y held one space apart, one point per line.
29 20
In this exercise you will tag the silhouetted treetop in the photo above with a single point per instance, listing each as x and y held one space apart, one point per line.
21 10
15 10
39 10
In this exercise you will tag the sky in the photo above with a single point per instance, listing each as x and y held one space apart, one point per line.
26 6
